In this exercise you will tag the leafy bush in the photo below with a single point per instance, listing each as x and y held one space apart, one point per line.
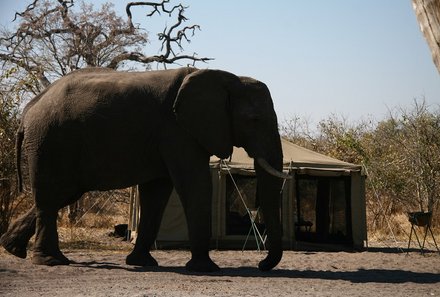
401 155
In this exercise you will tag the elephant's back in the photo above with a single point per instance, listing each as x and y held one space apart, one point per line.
109 97
103 124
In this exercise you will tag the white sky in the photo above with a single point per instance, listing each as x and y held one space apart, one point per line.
353 58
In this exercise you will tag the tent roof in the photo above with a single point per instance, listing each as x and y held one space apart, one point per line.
294 156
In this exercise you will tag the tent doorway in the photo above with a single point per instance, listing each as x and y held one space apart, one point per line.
239 196
323 205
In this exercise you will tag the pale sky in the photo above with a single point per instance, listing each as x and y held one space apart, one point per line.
353 58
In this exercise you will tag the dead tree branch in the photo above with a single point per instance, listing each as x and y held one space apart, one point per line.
52 38
169 56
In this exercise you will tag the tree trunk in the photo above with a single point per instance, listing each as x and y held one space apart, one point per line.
428 16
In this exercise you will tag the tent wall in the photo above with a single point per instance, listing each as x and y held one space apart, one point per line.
354 228
218 216
173 231
358 209
221 239
133 219
288 214
173 227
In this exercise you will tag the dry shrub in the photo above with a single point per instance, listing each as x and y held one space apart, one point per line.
12 205
5 204
91 220
85 238
97 210
396 229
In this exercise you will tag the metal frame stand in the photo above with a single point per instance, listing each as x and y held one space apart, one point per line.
421 219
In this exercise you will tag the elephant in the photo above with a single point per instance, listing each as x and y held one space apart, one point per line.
98 129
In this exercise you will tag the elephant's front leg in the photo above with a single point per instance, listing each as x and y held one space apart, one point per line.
193 183
197 203
153 197
188 166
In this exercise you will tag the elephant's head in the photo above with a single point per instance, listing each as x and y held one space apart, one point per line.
222 110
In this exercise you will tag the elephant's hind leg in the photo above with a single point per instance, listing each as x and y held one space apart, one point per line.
153 196
16 238
46 250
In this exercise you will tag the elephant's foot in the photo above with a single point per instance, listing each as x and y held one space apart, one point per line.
141 259
14 247
41 258
202 265
270 261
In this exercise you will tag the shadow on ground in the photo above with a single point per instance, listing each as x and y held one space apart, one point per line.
358 276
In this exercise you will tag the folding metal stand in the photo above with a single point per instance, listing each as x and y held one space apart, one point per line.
421 219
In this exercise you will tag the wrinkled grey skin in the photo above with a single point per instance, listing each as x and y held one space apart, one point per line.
101 130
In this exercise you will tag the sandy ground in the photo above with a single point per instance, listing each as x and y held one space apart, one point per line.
98 271
103 273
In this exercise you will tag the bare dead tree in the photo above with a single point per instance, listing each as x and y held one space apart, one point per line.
55 37
52 39
169 37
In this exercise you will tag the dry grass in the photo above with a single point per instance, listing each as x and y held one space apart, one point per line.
91 239
397 225
88 238
92 229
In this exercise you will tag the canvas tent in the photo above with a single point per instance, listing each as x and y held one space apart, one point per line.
323 203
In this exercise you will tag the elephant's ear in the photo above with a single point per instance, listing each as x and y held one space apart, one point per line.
202 108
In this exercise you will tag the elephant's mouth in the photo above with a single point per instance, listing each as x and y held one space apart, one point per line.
269 169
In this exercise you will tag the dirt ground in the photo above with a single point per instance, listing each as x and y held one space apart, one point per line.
102 272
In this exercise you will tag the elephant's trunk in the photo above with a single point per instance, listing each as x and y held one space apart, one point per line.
269 198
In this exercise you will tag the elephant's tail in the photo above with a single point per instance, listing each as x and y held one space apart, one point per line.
18 144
